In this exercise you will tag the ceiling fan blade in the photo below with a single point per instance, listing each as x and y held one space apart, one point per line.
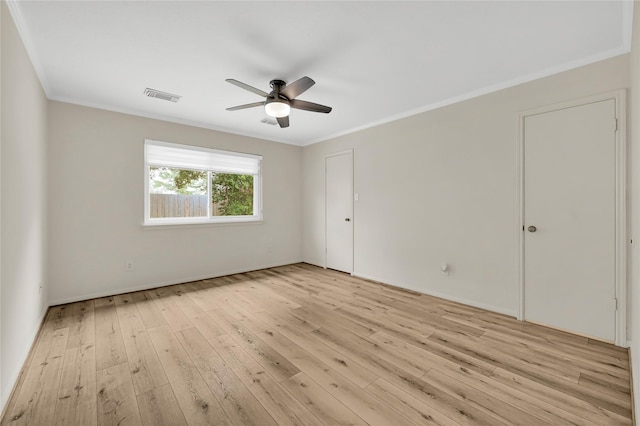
247 87
297 87
283 121
309 106
245 106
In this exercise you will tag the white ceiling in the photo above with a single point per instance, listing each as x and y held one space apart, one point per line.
372 61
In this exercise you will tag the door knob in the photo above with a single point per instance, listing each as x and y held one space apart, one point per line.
532 228
347 220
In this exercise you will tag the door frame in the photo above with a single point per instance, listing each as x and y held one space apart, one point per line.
619 96
353 226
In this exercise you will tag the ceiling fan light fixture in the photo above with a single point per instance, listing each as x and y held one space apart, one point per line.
277 108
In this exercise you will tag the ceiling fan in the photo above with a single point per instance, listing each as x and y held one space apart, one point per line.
279 102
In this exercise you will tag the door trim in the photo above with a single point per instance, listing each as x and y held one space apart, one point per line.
353 212
619 96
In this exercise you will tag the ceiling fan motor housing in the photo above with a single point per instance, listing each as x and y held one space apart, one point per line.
277 85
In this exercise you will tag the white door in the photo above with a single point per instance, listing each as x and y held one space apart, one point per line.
339 205
570 219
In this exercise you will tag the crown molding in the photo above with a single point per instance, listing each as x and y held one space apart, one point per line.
18 19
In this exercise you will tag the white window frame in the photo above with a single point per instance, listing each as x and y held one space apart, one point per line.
257 186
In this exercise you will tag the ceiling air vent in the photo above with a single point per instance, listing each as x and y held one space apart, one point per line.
153 93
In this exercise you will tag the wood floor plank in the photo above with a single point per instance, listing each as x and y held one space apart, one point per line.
36 401
384 322
343 364
281 405
81 323
445 403
231 312
234 296
617 390
125 304
515 397
430 355
240 406
149 312
198 404
172 314
372 410
273 320
355 301
261 295
535 373
321 403
57 316
194 312
544 361
572 403
407 356
205 295
608 348
117 404
146 369
348 346
293 290
416 387
613 366
272 361
159 407
416 410
481 400
324 317
288 280
505 356
110 349
436 321
363 348
539 335
339 283
319 300
76 404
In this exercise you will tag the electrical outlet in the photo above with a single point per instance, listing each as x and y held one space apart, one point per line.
129 265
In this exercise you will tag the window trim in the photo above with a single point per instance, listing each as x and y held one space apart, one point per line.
208 220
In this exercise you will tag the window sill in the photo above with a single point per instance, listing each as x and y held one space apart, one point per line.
171 224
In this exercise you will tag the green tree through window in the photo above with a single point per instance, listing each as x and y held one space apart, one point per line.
231 194
166 180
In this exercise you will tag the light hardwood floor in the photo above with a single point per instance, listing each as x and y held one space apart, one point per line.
299 345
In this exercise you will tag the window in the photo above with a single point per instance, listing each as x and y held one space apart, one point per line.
188 184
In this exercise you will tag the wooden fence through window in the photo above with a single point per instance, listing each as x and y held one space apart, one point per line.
177 205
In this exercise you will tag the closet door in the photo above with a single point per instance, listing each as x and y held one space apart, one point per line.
570 219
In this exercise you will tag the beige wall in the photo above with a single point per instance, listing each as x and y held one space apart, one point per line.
23 170
442 186
96 187
634 217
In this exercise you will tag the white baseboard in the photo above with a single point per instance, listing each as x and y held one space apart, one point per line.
14 377
114 292
475 304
